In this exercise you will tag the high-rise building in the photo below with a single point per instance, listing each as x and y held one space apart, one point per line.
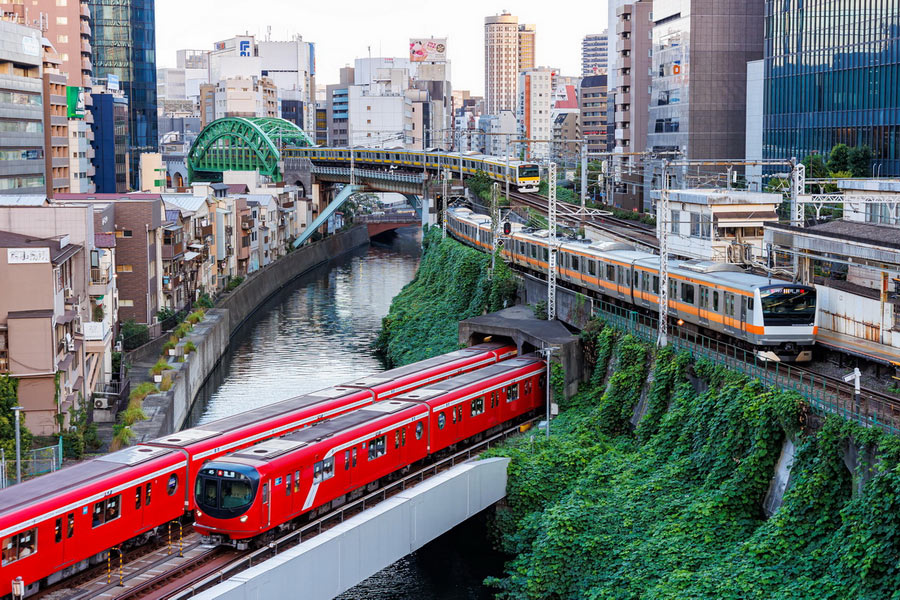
527 42
592 102
111 140
831 78
66 32
501 62
56 121
535 105
699 81
21 111
629 101
124 47
594 54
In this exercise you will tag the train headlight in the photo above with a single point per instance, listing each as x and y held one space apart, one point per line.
199 513
680 322
243 519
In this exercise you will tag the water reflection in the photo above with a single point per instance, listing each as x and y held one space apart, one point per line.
316 333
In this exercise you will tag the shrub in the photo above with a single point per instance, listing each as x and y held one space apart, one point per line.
160 366
166 383
97 312
182 330
190 347
164 314
122 436
169 345
142 391
204 301
195 317
236 281
134 335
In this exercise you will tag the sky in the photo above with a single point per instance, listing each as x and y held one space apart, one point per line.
346 29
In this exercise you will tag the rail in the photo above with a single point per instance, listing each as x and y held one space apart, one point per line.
369 174
825 394
352 508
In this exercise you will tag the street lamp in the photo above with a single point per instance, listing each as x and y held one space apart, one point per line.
17 410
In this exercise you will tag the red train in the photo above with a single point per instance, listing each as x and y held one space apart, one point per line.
56 525
263 488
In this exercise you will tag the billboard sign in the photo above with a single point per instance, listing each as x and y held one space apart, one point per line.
112 82
428 50
75 102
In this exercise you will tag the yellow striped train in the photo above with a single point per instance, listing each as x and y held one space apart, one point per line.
775 318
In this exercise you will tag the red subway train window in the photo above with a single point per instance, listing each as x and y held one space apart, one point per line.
18 546
149 489
265 493
137 497
287 485
57 530
70 527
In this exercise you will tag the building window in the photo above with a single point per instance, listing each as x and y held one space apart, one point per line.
62 20
126 303
676 221
124 269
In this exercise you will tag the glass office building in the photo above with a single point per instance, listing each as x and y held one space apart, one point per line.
124 46
832 75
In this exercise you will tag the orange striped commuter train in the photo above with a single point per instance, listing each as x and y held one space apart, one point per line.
776 318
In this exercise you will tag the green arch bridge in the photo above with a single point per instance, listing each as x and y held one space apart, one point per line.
242 144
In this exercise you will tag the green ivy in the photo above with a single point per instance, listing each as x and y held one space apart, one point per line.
454 282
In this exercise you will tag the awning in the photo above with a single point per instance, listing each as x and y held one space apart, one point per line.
196 246
191 255
67 317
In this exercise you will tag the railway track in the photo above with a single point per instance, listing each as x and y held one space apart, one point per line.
188 568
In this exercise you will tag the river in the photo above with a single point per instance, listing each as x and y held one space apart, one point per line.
316 333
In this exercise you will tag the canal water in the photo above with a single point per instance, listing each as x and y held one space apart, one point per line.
316 333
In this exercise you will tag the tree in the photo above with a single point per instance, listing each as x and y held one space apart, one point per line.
815 166
860 160
839 159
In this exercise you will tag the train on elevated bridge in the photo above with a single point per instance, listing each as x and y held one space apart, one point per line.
525 176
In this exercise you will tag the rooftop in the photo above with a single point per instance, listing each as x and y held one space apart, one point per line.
23 200
719 196
188 202
58 255
883 186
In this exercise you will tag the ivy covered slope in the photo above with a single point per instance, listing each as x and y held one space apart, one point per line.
453 283
672 509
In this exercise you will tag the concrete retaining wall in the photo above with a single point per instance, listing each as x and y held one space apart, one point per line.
268 281
347 554
571 308
166 412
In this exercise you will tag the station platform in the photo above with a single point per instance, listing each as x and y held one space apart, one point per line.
869 350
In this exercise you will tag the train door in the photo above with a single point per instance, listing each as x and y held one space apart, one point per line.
743 313
265 507
703 308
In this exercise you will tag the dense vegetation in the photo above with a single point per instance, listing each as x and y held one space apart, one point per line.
672 508
454 282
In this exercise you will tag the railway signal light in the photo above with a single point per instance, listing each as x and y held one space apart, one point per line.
507 228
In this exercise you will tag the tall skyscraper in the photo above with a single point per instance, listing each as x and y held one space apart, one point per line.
501 62
594 54
527 34
124 47
823 90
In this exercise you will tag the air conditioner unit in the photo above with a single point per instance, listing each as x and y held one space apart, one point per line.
101 402
70 346
68 293
119 346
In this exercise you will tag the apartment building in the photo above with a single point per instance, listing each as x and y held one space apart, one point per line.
527 43
56 121
501 62
21 111
534 109
594 54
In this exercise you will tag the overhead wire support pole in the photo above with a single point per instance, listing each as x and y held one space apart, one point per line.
662 216
445 194
495 224
584 177
551 242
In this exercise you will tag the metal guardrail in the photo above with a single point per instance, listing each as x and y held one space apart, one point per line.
827 395
34 463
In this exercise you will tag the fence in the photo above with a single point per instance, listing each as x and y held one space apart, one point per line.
826 395
34 462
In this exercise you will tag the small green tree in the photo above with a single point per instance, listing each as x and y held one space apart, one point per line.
861 161
839 159
815 166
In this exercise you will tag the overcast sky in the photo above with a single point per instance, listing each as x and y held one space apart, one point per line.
344 30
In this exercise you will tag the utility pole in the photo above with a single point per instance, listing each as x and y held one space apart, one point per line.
508 175
662 218
445 194
17 410
495 223
551 243
584 177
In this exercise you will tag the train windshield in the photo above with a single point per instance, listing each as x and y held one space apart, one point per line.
788 305
529 171
224 493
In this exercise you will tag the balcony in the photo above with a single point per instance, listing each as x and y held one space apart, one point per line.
172 251
85 47
247 223
288 204
85 11
623 44
86 28
623 116
205 231
171 282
